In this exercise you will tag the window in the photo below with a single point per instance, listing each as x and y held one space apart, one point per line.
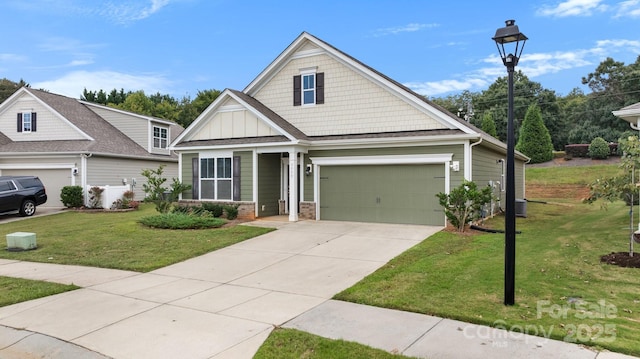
7 186
308 89
215 178
27 122
160 137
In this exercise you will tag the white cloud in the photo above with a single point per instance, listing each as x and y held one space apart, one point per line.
533 65
573 8
405 28
125 13
629 8
72 84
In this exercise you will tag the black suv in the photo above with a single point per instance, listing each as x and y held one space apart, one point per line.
22 194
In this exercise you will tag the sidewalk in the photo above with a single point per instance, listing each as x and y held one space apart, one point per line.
225 303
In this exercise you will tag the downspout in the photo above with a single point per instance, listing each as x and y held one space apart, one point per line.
83 178
470 165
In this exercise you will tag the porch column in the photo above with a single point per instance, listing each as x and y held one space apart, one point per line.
293 185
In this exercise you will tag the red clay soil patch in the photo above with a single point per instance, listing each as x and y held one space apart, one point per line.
622 259
578 192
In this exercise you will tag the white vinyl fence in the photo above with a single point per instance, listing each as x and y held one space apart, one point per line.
109 195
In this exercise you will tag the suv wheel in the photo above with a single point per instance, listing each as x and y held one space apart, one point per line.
28 208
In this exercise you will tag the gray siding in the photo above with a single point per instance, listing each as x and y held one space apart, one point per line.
487 168
110 171
268 184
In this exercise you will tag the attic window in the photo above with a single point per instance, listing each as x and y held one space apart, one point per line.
26 122
160 135
308 89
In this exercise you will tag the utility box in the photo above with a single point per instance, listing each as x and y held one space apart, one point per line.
21 241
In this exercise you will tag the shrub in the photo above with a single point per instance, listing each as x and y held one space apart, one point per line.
215 208
577 150
71 196
599 148
192 211
181 221
464 203
231 211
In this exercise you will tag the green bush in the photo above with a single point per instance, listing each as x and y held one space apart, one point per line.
464 203
232 211
181 221
215 208
71 196
192 211
599 148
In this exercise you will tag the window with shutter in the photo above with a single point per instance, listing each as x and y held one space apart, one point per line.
26 122
308 89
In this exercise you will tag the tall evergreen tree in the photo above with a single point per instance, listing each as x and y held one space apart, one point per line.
488 124
535 140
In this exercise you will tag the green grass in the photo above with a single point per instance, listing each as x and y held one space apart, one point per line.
294 344
576 175
117 240
557 262
14 290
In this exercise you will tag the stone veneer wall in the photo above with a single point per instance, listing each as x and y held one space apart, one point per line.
246 210
307 210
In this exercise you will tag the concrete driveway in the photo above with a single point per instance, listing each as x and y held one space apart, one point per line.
220 305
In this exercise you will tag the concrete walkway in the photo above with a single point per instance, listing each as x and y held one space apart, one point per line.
225 303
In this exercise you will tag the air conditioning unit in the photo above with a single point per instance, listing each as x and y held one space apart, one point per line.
521 207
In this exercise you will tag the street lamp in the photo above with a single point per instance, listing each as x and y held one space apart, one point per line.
508 35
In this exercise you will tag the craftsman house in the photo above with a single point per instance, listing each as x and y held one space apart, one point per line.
320 135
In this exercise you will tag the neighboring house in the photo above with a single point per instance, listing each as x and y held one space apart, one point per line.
320 135
630 114
66 142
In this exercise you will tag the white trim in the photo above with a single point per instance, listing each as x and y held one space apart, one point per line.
382 160
180 175
255 182
52 166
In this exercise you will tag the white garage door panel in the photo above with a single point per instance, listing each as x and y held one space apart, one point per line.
53 180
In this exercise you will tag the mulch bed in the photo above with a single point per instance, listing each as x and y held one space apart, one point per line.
622 259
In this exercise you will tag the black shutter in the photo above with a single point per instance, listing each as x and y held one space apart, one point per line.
195 178
236 178
297 90
33 122
320 88
19 122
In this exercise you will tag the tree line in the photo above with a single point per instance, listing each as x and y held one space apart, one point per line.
571 119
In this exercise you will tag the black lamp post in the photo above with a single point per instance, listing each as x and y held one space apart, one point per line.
506 35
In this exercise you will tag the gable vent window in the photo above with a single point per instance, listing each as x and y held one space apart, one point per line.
308 89
27 122
160 135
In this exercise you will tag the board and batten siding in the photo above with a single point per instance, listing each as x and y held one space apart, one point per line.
354 104
111 171
49 127
238 123
135 128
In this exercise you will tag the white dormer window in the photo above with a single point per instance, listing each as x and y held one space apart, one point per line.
160 136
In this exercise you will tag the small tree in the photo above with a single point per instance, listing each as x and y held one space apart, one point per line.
489 125
95 197
464 203
162 197
535 140
624 186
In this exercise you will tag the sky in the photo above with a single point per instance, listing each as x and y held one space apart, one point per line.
180 47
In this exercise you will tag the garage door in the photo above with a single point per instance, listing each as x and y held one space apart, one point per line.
386 193
53 180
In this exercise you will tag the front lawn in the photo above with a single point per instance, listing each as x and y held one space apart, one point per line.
16 290
117 240
563 291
